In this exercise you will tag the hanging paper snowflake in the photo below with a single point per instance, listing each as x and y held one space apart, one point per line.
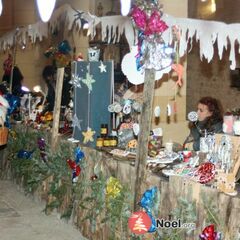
75 81
88 81
76 122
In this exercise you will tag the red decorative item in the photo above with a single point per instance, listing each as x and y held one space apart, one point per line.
209 234
78 170
139 222
71 164
149 25
38 118
206 172
7 65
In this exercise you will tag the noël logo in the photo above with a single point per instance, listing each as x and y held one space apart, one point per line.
139 222
162 223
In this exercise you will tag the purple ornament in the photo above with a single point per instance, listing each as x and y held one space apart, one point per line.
41 144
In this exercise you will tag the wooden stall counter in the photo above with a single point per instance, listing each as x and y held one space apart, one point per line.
87 203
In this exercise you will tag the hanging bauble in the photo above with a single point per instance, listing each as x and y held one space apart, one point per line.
64 47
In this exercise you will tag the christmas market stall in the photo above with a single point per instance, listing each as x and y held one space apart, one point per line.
99 161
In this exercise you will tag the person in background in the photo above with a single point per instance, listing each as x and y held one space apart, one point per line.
48 75
210 120
17 82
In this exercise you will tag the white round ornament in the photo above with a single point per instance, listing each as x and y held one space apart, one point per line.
117 108
127 108
111 108
193 116
136 129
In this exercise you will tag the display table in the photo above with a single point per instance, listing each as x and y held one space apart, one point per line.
208 202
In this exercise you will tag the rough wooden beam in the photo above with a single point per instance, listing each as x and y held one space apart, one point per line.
57 106
145 127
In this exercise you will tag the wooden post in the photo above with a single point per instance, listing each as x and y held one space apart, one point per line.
145 127
57 106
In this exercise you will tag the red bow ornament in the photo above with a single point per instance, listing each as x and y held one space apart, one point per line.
209 234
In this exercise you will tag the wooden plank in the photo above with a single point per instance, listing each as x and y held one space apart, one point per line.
145 127
57 106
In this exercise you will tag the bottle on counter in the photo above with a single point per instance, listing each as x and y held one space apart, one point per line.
104 130
106 142
113 140
99 142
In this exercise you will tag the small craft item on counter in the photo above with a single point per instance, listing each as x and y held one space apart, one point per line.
226 183
205 172
169 147
236 127
186 155
162 157
132 145
155 142
180 170
228 122
124 136
154 167
120 152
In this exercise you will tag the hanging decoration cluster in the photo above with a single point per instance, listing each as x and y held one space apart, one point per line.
75 165
152 51
60 54
149 202
209 233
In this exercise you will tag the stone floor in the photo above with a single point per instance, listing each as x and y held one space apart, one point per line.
23 218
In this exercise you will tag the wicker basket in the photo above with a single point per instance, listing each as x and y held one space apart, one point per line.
3 133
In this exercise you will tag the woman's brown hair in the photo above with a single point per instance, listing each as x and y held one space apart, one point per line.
215 108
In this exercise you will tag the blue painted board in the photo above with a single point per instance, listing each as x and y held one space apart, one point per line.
92 108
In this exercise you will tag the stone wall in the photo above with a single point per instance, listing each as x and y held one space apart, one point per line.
212 79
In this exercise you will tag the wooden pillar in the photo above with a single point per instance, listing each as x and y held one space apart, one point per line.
57 106
145 127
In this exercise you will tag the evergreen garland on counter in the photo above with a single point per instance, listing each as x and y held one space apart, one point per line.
55 178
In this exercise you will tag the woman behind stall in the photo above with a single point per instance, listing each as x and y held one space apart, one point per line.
210 120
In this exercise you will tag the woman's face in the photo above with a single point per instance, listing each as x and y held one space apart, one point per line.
203 112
